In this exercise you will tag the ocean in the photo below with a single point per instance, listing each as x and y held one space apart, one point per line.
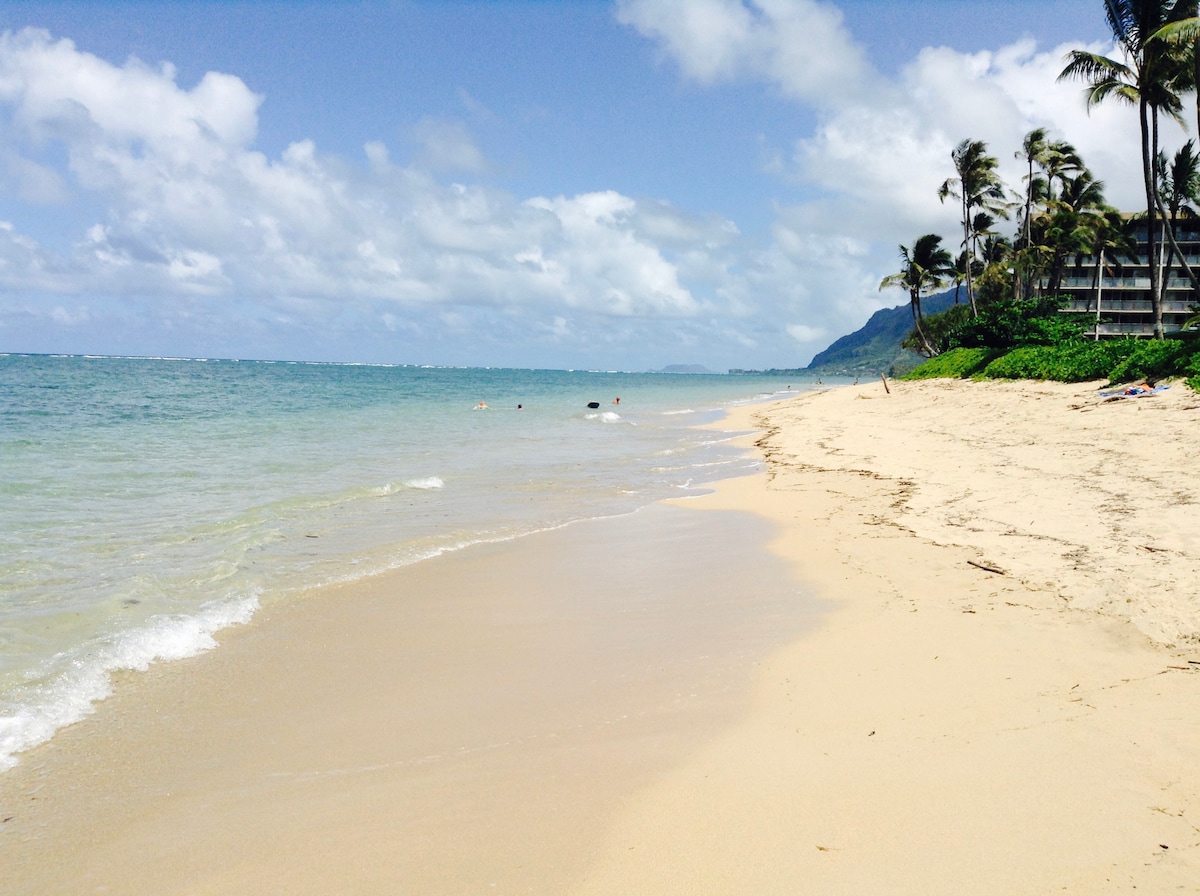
145 504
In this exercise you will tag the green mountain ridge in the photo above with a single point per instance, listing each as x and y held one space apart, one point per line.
875 347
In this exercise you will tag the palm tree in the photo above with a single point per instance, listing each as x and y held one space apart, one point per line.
1050 165
1179 180
979 190
1114 238
1183 37
1149 77
1077 216
926 267
1055 160
1179 187
1035 151
959 277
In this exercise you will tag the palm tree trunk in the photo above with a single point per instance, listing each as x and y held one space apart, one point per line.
966 222
915 306
1149 123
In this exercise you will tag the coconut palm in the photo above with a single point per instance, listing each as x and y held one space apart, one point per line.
1035 152
1179 180
1178 188
1149 78
959 277
1114 239
1183 37
1077 217
978 189
926 267
1049 163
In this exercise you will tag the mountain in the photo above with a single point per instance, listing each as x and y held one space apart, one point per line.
875 348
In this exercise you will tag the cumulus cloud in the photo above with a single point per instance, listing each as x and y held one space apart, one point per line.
192 209
803 48
184 208
879 151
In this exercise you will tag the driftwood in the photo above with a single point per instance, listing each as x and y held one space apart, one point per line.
885 385
986 568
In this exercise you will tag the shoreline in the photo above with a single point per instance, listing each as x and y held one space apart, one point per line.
937 686
458 724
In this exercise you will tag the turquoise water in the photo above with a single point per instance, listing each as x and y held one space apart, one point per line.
147 503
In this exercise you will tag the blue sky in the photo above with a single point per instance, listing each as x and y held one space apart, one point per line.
539 184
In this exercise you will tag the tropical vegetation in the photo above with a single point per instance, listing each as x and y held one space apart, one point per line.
1011 323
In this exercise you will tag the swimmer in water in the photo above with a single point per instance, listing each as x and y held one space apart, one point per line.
482 406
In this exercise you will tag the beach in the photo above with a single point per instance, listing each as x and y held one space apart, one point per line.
947 641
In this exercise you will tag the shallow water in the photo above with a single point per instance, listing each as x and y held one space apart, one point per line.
147 503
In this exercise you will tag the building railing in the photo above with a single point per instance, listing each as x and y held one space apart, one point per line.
1142 283
1124 291
1129 306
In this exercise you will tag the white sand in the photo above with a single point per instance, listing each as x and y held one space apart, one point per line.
953 730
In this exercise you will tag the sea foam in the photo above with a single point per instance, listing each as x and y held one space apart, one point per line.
426 483
68 686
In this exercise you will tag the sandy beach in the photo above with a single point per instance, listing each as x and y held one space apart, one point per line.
1007 699
947 642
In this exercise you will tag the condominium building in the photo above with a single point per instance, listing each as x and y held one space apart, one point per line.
1113 290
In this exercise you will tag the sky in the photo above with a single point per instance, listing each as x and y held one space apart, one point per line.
523 183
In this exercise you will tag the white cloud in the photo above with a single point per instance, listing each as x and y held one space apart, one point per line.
803 48
879 150
447 146
183 207
67 317
192 208
804 334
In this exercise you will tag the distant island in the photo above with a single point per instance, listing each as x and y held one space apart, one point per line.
772 371
684 368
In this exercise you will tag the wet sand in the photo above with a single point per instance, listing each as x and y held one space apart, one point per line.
464 725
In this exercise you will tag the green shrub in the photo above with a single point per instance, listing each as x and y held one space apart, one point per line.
957 363
1070 363
1192 367
938 329
1152 359
1019 364
1008 324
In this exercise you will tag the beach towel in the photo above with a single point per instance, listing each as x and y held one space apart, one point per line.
1135 392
